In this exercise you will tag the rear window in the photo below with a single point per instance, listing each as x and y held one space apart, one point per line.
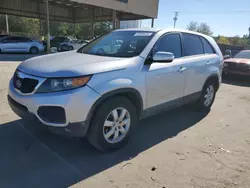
192 45
207 47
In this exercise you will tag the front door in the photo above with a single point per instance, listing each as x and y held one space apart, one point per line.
166 81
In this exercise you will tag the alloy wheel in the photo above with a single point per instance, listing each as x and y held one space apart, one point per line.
209 95
116 125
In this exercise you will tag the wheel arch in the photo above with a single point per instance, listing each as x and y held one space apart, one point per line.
213 77
132 94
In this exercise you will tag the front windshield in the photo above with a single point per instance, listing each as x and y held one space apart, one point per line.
119 44
243 55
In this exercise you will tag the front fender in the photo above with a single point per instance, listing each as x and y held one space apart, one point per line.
110 81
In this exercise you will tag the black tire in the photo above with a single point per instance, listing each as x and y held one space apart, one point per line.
34 50
96 132
71 48
200 105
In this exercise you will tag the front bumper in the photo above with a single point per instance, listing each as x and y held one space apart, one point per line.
71 130
76 104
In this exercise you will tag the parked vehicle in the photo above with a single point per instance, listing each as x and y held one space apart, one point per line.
102 92
3 36
55 42
239 64
20 44
72 45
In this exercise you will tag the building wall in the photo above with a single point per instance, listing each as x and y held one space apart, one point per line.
147 8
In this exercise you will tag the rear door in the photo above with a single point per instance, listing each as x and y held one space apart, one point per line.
198 56
24 44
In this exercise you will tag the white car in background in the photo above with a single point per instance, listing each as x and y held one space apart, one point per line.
72 45
16 44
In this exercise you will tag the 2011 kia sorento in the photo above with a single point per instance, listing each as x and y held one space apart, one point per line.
105 87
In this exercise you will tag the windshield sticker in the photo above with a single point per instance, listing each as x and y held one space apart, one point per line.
141 34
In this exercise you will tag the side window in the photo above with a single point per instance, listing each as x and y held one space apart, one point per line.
10 40
192 45
169 43
7 40
207 47
23 39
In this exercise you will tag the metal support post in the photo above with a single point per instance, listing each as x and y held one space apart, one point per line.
48 26
152 22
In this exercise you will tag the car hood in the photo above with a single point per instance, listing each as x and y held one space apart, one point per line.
238 60
70 64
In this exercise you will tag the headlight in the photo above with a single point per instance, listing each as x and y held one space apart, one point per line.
61 84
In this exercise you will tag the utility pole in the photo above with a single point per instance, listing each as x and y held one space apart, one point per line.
7 24
176 18
48 27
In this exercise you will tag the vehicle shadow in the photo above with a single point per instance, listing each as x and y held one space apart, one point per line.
17 56
237 80
79 160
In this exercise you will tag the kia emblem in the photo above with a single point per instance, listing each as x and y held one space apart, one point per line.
18 84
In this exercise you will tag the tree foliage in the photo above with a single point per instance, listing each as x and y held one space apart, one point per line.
200 27
222 40
31 27
234 41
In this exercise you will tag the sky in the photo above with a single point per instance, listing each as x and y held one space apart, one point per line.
225 17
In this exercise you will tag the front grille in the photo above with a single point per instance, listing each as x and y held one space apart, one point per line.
238 67
24 85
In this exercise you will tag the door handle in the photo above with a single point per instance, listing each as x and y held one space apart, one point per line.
208 63
182 69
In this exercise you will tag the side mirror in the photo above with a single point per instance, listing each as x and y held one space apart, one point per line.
165 57
226 57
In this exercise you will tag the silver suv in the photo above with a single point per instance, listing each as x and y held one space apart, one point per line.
102 89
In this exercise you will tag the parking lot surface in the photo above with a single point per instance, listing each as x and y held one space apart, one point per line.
16 57
177 149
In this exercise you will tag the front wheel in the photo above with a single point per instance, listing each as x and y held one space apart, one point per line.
112 124
207 97
34 50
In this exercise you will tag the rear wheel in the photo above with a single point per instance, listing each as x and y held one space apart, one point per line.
207 97
71 48
112 124
34 50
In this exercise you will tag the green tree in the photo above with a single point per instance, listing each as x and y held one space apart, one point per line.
222 40
20 25
102 28
201 28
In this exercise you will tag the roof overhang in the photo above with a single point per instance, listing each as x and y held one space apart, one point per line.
64 10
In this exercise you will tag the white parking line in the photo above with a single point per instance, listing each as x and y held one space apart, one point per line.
54 153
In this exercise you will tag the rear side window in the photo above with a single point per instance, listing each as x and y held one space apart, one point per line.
192 45
58 39
169 43
207 47
23 39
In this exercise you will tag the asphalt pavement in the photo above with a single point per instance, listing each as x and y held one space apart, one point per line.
180 148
